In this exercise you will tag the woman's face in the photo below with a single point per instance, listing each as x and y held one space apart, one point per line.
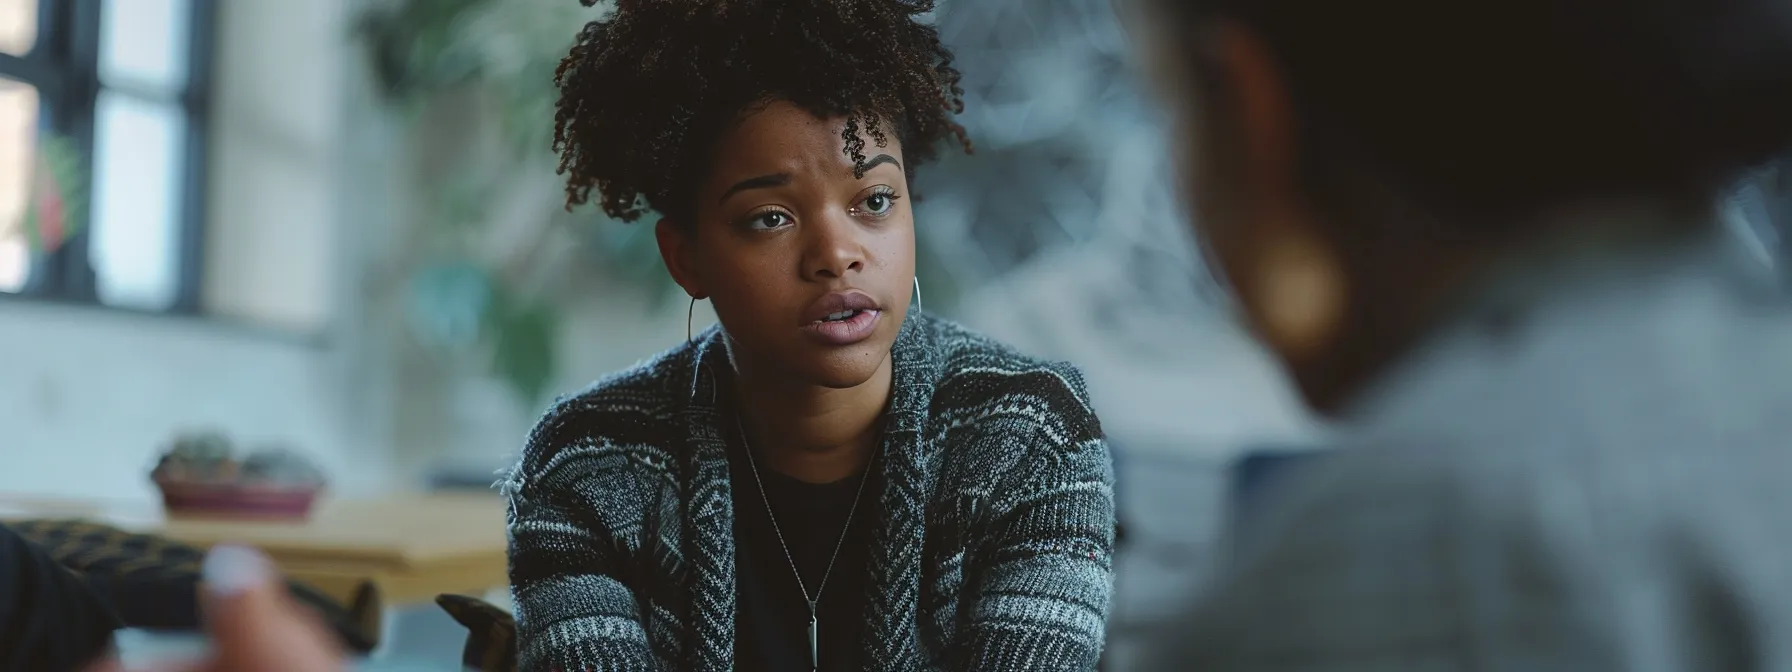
808 267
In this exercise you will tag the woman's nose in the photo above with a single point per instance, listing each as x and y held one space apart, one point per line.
834 250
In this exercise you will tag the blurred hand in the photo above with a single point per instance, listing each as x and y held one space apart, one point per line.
254 624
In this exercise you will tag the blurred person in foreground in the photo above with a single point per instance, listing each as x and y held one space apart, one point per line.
1481 237
828 479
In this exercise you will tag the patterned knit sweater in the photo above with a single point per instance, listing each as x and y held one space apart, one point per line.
994 551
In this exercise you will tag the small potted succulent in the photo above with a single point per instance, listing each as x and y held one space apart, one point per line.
201 474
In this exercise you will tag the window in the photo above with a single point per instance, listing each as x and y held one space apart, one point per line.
105 101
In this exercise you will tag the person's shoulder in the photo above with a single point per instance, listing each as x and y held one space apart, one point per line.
1013 430
630 411
1422 522
982 379
1388 497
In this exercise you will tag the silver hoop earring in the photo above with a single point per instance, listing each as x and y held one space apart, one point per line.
688 313
918 306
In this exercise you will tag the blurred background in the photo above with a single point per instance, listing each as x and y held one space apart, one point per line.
333 227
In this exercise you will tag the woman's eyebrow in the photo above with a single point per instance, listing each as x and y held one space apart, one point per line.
761 182
881 159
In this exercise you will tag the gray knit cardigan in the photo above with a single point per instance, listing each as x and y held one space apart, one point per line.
994 551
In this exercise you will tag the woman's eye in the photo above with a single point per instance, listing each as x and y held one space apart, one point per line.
768 220
879 204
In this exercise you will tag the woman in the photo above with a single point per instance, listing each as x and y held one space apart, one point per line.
827 480
1481 236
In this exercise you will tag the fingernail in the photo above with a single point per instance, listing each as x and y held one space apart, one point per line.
230 570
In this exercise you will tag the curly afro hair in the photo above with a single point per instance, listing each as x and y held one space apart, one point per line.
647 91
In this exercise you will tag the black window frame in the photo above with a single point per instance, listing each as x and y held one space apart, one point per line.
63 65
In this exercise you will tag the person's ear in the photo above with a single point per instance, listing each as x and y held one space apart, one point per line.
1290 274
1262 117
678 249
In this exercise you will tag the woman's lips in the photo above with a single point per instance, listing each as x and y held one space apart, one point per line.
845 332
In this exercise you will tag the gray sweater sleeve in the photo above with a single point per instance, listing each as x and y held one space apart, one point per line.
574 607
1045 583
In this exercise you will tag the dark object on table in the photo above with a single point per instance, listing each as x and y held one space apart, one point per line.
491 633
200 475
152 583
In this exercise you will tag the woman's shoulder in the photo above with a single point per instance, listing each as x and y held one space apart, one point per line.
629 413
1024 420
980 376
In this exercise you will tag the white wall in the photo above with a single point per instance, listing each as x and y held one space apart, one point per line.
88 395
281 78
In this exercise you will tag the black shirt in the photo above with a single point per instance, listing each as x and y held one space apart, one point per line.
771 630
50 620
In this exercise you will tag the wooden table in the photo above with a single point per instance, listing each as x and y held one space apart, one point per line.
410 547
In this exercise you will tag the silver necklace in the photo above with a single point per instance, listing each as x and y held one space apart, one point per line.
814 625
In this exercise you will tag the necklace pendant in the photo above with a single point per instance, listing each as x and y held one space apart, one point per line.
814 644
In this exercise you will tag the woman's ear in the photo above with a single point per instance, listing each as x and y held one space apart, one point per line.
678 249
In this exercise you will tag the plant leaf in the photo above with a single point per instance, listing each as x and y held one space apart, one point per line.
525 340
448 304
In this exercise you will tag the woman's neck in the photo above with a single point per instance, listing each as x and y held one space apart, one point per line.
810 433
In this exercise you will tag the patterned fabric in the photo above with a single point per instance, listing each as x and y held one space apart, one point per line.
153 582
491 633
994 552
1587 474
93 548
